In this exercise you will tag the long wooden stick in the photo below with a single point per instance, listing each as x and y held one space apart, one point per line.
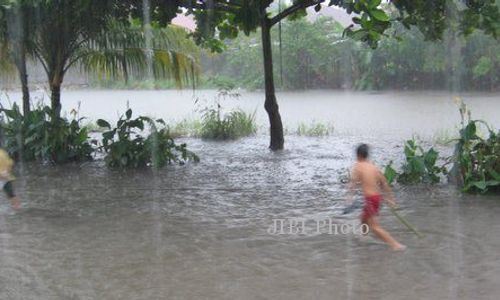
402 220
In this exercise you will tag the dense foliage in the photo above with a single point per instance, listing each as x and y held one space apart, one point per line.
316 55
126 145
41 136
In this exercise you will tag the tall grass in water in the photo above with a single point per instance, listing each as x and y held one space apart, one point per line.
233 125
314 129
185 128
217 125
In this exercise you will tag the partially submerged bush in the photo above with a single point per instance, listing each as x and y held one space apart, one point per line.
477 159
126 146
40 136
419 166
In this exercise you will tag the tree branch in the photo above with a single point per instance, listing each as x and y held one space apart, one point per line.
291 9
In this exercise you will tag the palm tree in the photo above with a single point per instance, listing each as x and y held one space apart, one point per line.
125 50
15 43
97 35
72 32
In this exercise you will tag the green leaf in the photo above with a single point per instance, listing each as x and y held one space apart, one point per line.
374 3
103 123
481 185
470 131
379 15
108 135
430 158
128 114
389 173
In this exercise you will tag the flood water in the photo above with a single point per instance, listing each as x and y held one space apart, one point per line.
201 231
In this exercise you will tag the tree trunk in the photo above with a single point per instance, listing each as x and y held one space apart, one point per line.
271 105
55 80
23 77
55 100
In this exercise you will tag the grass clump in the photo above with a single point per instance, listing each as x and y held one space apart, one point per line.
233 125
314 129
216 125
185 128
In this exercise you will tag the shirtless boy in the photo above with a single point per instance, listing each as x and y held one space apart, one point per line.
372 182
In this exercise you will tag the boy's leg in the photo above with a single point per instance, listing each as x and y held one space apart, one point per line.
9 191
382 234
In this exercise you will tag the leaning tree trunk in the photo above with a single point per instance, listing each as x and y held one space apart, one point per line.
271 105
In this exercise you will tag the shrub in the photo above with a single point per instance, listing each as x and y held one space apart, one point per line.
40 136
419 166
126 146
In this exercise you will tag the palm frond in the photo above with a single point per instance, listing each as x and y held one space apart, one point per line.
122 50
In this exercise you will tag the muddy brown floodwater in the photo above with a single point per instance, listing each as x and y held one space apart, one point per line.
201 231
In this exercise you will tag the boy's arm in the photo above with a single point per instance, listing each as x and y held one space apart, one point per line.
389 195
352 185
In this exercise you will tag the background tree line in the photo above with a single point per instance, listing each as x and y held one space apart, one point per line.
315 55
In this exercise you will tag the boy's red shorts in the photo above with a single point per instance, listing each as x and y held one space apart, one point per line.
372 206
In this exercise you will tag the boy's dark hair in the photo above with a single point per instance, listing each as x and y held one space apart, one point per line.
362 151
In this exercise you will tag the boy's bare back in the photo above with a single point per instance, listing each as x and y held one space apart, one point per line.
369 177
